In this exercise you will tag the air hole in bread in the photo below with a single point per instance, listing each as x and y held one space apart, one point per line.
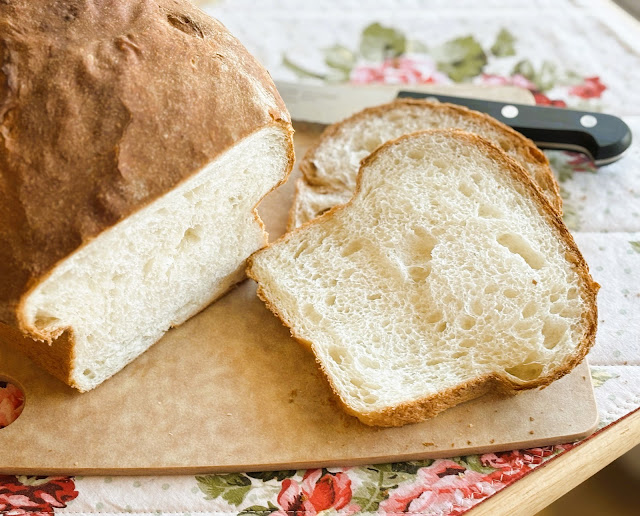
330 300
489 212
312 314
416 154
510 293
419 274
518 245
491 289
352 247
553 330
466 322
301 249
191 237
459 354
439 163
336 354
572 293
441 327
526 372
554 297
374 296
422 245
530 309
556 308
476 307
88 373
467 343
466 189
43 320
434 317
195 193
147 269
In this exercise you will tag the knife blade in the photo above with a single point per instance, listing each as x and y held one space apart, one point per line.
601 136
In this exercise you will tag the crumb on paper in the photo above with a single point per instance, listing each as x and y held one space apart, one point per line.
492 441
229 414
534 282
470 425
428 444
469 442
531 432
453 445
531 418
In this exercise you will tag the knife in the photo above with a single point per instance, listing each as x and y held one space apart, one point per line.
603 137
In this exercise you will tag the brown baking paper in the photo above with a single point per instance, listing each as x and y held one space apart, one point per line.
230 390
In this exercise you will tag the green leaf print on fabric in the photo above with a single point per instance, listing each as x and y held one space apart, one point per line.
341 60
378 43
232 487
600 376
460 58
259 510
380 479
504 44
635 245
544 78
265 476
473 463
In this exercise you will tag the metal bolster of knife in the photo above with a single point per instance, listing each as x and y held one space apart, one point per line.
603 137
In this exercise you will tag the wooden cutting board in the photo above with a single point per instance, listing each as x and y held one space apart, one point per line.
230 390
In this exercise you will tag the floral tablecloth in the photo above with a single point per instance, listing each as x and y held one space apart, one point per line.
569 53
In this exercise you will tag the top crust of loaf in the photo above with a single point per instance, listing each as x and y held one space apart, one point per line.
524 147
105 107
420 409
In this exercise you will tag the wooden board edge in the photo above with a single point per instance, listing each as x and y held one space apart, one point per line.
542 487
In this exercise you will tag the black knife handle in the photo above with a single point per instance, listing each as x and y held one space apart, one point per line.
603 137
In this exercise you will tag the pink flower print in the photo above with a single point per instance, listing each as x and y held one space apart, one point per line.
399 70
591 88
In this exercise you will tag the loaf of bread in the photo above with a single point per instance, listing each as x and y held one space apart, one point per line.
136 139
447 275
329 168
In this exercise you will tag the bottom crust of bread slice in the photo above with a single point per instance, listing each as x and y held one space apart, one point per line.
447 275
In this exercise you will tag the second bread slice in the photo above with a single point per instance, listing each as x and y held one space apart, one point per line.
330 167
447 275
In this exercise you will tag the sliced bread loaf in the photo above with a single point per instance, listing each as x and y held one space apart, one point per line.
137 139
329 168
447 275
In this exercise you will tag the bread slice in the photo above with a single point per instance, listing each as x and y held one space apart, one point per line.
138 138
329 168
446 276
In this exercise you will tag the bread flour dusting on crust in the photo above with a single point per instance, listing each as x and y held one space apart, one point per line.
447 275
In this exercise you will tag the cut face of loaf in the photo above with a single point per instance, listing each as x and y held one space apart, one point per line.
121 292
445 276
138 138
330 167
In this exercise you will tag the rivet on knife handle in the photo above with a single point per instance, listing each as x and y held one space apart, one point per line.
604 137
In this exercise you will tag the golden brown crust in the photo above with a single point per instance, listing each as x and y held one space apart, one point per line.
421 409
544 177
105 107
56 358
